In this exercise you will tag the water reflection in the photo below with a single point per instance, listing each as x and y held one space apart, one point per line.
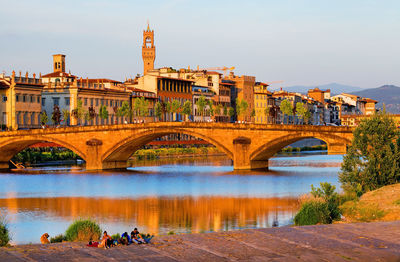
184 195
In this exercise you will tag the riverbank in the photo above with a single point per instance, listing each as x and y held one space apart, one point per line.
378 241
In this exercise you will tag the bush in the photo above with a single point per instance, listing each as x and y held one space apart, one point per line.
331 198
4 233
116 236
57 239
83 230
312 212
362 212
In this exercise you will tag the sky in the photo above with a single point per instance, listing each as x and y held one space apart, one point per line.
300 42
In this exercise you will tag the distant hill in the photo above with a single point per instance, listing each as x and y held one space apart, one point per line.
388 94
334 87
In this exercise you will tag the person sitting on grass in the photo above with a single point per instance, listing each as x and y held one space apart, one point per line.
136 237
125 239
106 241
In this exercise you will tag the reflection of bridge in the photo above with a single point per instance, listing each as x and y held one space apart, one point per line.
106 147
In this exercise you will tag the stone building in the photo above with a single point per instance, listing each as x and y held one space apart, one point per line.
64 90
20 104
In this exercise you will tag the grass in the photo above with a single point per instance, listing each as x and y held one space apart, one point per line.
4 233
312 212
397 202
361 212
58 239
83 230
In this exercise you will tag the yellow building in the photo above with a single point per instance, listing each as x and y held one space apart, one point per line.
65 90
20 105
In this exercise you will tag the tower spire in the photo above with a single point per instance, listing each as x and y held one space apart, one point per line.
148 25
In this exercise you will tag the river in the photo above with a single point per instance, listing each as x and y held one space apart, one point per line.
160 196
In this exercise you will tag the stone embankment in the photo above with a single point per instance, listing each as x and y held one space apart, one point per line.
378 241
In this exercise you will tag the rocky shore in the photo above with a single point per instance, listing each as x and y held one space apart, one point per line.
378 241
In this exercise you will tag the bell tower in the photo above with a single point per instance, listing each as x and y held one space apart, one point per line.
148 50
59 63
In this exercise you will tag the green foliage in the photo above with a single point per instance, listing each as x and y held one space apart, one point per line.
331 198
187 108
225 110
286 108
158 110
323 208
373 159
312 212
116 236
4 233
141 107
124 110
37 155
171 233
78 112
362 212
201 105
301 111
231 111
83 230
241 107
57 239
103 112
253 113
44 118
65 115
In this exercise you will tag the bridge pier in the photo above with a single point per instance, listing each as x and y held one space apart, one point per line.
4 165
337 149
241 156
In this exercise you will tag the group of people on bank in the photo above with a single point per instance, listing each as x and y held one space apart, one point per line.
134 238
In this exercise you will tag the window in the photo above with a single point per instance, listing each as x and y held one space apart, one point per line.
24 98
56 101
97 101
4 98
91 101
38 99
32 99
85 102
67 101
43 101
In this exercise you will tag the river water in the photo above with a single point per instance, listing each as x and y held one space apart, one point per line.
183 195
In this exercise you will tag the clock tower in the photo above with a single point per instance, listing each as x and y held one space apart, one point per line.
148 50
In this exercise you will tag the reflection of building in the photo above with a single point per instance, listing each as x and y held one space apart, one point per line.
162 214
20 104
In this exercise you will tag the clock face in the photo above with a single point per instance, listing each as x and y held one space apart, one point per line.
148 42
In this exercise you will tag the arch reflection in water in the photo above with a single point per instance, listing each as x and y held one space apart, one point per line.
159 215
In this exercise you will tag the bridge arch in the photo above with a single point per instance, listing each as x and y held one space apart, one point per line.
12 147
269 149
123 149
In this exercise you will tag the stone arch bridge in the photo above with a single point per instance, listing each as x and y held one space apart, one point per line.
107 147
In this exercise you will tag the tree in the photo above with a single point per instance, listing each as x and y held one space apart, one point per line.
301 111
307 116
187 109
124 110
78 112
91 114
44 118
103 112
373 158
66 115
56 115
175 107
225 110
217 109
231 112
210 106
241 107
253 113
158 110
266 113
141 107
287 109
201 105
168 108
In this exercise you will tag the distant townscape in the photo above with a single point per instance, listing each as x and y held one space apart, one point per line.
61 98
